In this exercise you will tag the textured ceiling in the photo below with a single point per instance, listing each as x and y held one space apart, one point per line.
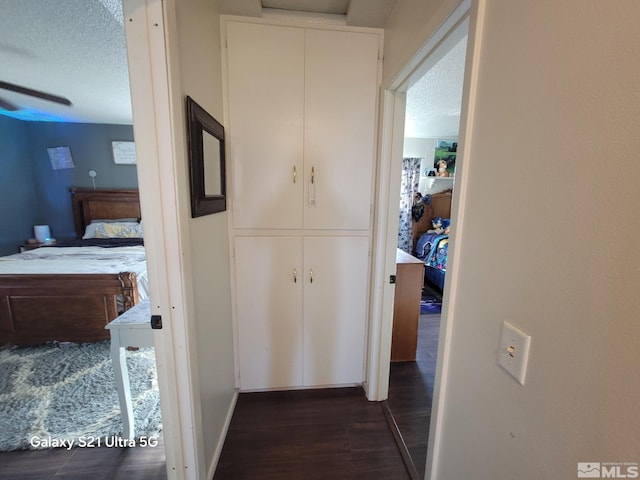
71 48
76 49
434 101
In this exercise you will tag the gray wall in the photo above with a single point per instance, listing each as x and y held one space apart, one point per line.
90 146
18 208
33 193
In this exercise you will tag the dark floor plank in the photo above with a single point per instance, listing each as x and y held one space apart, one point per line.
402 446
103 463
310 434
411 392
33 464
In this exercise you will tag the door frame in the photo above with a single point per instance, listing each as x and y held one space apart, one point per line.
386 228
388 187
147 55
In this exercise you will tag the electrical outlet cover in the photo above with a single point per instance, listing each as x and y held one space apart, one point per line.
513 351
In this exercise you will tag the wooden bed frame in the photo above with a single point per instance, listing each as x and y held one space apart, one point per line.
88 205
38 308
440 206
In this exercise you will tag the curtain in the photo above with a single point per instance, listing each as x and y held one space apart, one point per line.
408 189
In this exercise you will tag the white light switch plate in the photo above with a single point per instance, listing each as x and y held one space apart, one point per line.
513 351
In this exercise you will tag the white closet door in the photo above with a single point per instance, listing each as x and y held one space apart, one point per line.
269 311
335 302
266 102
341 72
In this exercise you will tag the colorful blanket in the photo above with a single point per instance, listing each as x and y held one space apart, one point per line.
433 249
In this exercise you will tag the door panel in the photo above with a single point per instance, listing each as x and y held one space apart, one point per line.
269 311
340 115
335 299
266 101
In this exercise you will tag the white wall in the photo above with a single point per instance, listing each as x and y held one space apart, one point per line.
410 24
196 70
553 167
419 147
424 148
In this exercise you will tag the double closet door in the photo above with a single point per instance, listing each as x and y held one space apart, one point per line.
302 310
302 126
302 115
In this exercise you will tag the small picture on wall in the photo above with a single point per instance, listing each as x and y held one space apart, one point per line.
60 158
124 152
444 161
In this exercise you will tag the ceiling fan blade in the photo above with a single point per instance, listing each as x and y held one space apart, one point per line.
7 105
35 93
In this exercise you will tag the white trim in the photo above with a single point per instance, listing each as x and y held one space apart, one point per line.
384 256
229 151
145 31
474 43
291 20
385 238
386 228
223 435
414 68
271 14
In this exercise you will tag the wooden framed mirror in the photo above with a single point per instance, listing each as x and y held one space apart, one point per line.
206 161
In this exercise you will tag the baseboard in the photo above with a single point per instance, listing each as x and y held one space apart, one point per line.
223 435
308 387
402 446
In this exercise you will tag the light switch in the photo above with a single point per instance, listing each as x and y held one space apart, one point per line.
513 351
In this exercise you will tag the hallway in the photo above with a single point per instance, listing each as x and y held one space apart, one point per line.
330 433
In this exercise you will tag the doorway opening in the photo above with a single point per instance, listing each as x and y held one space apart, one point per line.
76 400
429 157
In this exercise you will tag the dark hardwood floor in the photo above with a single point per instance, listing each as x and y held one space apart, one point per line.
306 434
103 463
309 434
411 392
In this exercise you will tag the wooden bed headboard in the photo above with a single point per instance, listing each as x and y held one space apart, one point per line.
440 206
88 205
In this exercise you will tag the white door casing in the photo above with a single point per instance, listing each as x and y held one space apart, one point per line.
147 58
384 254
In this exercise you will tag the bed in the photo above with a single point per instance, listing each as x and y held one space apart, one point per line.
70 304
432 248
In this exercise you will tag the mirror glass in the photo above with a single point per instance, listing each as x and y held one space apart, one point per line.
211 158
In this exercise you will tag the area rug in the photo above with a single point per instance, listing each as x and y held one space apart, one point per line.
431 302
62 392
429 307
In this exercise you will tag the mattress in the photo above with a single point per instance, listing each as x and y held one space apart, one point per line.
82 260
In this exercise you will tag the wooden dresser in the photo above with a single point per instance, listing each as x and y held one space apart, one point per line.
406 308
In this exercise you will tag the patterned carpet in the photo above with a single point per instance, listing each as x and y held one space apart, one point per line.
66 392
431 302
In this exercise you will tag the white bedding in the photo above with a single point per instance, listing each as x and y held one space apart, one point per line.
81 260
